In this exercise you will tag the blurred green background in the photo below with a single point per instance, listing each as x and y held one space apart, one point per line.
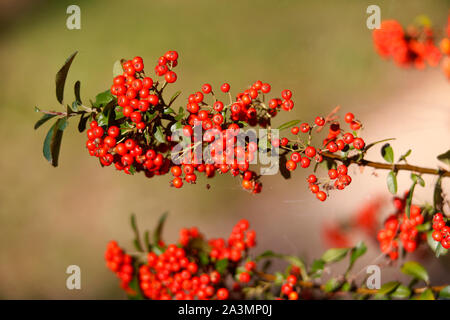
321 50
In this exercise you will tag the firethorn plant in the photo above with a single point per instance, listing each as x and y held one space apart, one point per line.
416 46
131 126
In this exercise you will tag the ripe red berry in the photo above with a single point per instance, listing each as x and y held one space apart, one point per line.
349 117
321 196
225 87
319 121
170 77
222 294
244 277
358 143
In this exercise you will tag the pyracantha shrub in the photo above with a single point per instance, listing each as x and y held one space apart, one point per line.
417 45
219 269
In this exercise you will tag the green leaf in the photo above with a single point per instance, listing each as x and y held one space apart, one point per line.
388 153
427 295
405 155
147 242
418 179
445 158
263 143
288 124
180 114
43 120
221 265
61 76
410 196
392 182
176 126
445 293
402 292
424 226
82 123
370 145
388 287
415 270
317 268
334 254
168 111
285 173
435 246
134 285
159 228
174 97
332 285
438 199
52 142
132 170
296 261
204 259
159 136
117 68
102 120
356 252
76 89
137 240
279 278
103 98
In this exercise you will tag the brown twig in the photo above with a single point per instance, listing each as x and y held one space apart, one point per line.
386 166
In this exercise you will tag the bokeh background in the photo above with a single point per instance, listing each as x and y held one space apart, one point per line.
321 50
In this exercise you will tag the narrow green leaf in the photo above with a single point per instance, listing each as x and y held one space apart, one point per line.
159 228
317 268
392 182
445 293
159 136
43 120
418 179
103 98
76 89
147 242
410 197
402 292
445 157
427 295
82 123
405 155
285 173
415 270
52 142
174 97
221 265
117 68
204 259
61 76
137 240
168 111
388 287
388 153
438 199
334 254
332 285
435 246
370 145
356 252
288 124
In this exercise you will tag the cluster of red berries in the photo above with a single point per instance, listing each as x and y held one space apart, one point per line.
238 242
337 140
415 46
221 133
121 143
120 263
177 271
288 288
399 227
441 231
411 47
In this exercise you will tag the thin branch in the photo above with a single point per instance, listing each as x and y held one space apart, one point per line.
386 166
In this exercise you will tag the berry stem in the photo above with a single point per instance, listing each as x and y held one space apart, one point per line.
386 166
